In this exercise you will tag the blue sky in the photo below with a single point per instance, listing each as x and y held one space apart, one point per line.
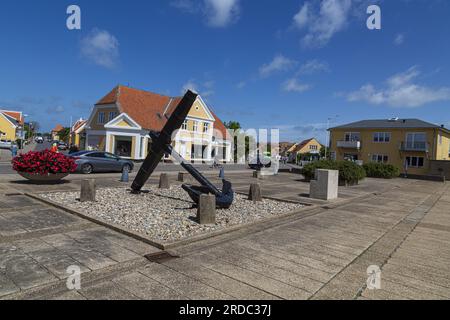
268 64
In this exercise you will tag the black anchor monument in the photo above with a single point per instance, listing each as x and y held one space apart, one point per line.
161 144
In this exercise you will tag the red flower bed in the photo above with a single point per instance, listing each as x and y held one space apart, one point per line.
43 163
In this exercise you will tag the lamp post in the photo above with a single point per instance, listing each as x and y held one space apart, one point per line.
328 140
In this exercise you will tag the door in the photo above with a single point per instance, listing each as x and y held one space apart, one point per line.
183 149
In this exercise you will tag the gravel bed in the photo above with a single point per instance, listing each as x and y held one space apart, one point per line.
166 215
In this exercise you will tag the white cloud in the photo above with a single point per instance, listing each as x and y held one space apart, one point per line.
279 64
188 6
313 66
190 85
401 91
241 85
322 20
293 85
206 90
399 39
101 47
221 13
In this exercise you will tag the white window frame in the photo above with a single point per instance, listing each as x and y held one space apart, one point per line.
417 161
112 115
101 118
381 136
313 147
206 126
351 136
413 141
380 158
195 126
184 126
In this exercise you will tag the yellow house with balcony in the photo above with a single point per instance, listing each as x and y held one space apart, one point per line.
121 121
409 144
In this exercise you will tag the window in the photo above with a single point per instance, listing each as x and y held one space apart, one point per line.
101 118
440 138
383 137
112 115
416 141
184 126
380 158
206 127
195 129
415 162
352 136
313 147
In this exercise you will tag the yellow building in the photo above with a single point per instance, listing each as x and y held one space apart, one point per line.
78 134
11 125
121 121
409 144
310 146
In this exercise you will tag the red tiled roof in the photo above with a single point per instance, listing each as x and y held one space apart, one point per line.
17 115
148 109
58 128
78 125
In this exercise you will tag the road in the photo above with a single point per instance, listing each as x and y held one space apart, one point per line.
5 165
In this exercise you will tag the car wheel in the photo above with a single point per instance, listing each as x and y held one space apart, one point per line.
86 168
126 167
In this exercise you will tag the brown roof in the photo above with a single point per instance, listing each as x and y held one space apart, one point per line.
300 146
150 110
58 128
16 115
78 125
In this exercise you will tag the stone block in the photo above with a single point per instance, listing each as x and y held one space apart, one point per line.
325 186
88 190
257 174
254 193
164 181
206 211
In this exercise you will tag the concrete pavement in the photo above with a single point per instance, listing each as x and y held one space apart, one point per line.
402 226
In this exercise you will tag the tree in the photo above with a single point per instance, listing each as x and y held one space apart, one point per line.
64 134
328 153
236 129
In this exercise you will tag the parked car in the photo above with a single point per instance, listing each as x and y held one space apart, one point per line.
62 146
5 144
98 161
39 140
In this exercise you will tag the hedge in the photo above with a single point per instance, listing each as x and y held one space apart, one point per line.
381 170
349 172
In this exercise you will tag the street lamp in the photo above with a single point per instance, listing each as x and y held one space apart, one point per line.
328 135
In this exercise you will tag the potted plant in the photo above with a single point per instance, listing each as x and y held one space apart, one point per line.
43 166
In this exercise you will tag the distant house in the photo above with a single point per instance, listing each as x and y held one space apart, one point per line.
55 132
11 125
309 146
78 134
412 145
121 121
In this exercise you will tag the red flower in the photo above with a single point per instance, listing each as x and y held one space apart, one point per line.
43 163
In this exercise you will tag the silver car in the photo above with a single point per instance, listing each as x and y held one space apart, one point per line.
98 161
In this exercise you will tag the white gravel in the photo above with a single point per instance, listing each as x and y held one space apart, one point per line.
166 215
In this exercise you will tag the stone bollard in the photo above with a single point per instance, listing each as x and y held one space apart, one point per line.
87 191
254 193
325 186
125 175
180 176
206 211
164 181
257 174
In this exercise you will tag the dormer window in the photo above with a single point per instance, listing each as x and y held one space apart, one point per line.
101 118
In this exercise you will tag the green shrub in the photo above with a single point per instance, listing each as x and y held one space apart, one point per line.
349 172
381 170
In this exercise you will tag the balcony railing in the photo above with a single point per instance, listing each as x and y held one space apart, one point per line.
349 144
420 146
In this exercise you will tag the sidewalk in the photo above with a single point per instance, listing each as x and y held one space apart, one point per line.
5 154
